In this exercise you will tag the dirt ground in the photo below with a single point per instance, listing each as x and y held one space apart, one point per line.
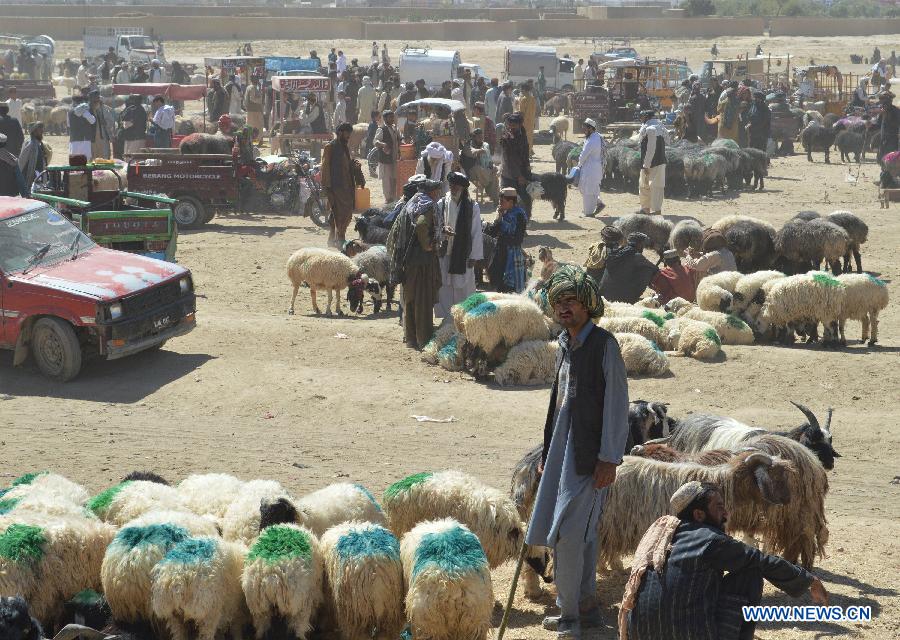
312 400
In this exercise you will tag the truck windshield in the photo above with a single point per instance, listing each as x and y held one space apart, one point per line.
23 238
140 42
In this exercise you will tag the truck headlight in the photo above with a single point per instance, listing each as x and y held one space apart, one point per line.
185 285
115 311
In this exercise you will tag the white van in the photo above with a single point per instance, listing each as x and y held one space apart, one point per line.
523 63
434 66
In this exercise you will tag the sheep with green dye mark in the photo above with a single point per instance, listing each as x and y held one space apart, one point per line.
49 559
528 363
458 311
714 293
364 587
209 493
799 303
865 296
337 503
127 565
692 338
282 578
635 324
449 592
642 357
45 493
504 322
131 499
731 329
197 584
241 520
488 512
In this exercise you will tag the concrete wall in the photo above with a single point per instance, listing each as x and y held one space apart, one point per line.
620 13
642 28
833 26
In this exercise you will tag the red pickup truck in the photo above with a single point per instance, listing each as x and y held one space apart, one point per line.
62 297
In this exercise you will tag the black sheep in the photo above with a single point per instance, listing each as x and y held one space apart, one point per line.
757 167
371 227
849 142
554 186
146 476
16 622
815 137
561 150
204 143
752 246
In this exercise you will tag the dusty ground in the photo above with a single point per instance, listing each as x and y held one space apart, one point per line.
257 393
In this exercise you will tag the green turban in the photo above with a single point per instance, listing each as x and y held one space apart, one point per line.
570 280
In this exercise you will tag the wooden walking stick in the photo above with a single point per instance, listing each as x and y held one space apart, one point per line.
512 590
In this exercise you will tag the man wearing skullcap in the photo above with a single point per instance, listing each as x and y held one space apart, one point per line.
628 272
715 255
611 238
584 440
387 141
341 175
677 591
460 244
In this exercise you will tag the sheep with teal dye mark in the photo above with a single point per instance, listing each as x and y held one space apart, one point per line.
492 328
642 357
449 593
131 499
528 363
197 584
241 520
127 565
731 329
799 303
49 559
282 578
458 311
194 524
864 298
337 503
489 513
209 493
438 341
692 338
363 581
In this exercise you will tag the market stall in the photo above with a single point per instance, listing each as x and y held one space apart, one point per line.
283 143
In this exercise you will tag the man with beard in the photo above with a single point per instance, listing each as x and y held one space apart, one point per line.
216 101
515 165
461 245
682 594
341 175
35 155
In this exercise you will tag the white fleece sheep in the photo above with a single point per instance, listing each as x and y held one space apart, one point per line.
50 559
731 329
194 524
680 306
449 594
133 498
337 503
532 362
621 310
504 321
50 486
748 295
560 125
864 298
241 520
321 269
725 223
639 325
692 338
714 293
374 262
686 233
641 356
127 563
198 583
282 576
458 311
364 587
488 512
804 300
209 493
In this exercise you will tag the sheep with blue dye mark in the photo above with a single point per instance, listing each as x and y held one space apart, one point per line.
864 297
195 525
197 584
714 293
442 348
127 565
209 493
130 499
282 578
528 363
364 588
489 513
449 592
458 311
642 357
241 520
504 322
337 503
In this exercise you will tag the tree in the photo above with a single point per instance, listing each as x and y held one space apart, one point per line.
699 7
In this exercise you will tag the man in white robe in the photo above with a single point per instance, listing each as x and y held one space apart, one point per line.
591 164
459 221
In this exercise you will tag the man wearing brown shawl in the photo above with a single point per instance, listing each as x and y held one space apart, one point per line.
341 175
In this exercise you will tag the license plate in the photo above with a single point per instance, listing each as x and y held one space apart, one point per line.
161 323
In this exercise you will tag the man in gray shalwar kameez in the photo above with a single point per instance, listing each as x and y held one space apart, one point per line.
584 440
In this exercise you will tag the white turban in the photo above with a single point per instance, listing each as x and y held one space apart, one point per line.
436 150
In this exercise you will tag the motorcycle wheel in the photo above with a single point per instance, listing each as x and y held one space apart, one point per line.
317 212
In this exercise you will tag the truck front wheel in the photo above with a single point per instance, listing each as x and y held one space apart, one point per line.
188 212
56 350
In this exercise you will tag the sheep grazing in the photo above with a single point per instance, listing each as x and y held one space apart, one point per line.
714 293
865 296
133 498
282 578
655 227
686 234
16 621
373 261
816 137
857 230
338 503
731 329
452 494
363 580
692 338
129 559
799 303
449 584
206 143
752 246
197 584
242 518
209 493
642 357
324 269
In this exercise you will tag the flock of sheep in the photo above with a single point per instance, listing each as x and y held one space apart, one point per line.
214 554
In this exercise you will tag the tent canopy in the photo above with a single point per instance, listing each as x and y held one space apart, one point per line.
169 90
